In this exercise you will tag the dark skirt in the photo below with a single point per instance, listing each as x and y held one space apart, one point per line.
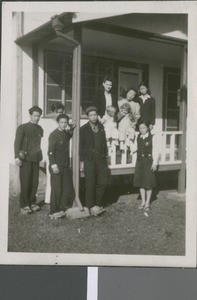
144 177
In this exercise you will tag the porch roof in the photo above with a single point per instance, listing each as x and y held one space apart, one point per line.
97 22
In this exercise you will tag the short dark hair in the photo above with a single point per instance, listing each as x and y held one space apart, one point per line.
35 108
62 116
146 123
146 85
57 106
108 78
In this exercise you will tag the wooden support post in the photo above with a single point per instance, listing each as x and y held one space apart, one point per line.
19 67
35 75
76 99
182 120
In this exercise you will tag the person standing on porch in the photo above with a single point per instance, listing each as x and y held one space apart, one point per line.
146 165
62 190
28 155
51 125
105 97
93 153
147 106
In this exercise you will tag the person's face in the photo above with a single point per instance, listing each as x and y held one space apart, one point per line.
143 129
112 112
93 117
131 95
57 112
63 124
107 85
35 117
143 90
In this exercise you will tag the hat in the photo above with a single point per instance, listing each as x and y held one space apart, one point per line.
91 108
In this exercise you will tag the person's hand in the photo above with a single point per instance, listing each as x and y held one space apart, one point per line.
81 166
18 162
55 169
151 127
154 167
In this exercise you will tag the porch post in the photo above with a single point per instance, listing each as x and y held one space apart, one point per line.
76 97
182 121
19 67
35 74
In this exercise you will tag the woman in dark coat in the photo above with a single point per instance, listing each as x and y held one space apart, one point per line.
147 106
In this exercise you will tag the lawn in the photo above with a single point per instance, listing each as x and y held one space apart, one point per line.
122 229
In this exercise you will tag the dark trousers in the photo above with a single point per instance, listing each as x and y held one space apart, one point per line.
62 190
96 180
29 176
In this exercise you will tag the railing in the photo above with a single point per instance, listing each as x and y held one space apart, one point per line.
122 161
168 142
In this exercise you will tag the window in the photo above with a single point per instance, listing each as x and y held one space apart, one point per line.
58 79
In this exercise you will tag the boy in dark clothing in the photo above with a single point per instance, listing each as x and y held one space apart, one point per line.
28 154
62 190
93 153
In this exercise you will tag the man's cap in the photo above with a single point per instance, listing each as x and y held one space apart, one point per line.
91 108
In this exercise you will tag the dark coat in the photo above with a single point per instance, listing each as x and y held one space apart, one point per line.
86 146
100 102
58 149
147 110
28 139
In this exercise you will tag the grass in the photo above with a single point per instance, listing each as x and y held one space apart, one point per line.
122 229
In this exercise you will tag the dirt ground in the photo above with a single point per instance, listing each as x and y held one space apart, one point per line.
122 229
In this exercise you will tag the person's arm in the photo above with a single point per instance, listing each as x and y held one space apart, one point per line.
20 132
137 112
81 149
155 152
51 153
152 111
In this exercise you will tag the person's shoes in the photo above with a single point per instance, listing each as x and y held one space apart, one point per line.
35 207
26 210
141 206
146 208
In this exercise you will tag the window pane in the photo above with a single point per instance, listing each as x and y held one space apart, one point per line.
68 62
54 92
54 61
88 65
172 100
173 119
88 81
68 92
68 107
87 95
68 78
173 82
54 77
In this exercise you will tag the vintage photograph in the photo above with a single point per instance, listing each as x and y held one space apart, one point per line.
98 156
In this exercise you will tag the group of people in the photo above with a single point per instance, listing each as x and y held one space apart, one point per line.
109 122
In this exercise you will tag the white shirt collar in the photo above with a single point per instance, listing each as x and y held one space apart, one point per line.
144 97
143 136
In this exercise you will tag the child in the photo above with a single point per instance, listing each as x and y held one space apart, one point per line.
126 126
146 165
62 190
110 126
147 106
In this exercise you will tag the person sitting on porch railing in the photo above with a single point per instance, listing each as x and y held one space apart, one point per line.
147 106
126 126
135 107
147 149
110 125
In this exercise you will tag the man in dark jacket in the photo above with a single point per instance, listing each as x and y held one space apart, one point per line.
104 97
28 154
62 190
93 152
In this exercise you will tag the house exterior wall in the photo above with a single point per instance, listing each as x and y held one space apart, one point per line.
32 21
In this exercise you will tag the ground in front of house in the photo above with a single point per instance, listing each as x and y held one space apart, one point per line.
122 229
